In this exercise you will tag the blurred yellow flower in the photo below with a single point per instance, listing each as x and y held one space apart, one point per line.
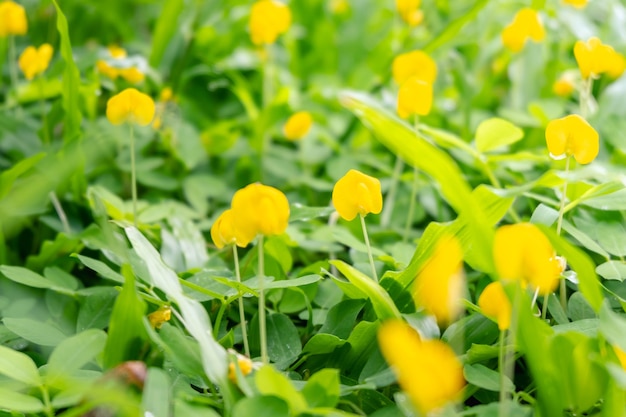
131 74
572 135
339 6
105 69
298 125
409 11
245 365
494 303
440 284
427 370
576 3
526 24
166 95
268 19
357 193
259 209
621 356
12 19
595 58
564 86
130 106
414 97
160 316
414 64
35 61
116 51
523 253
224 232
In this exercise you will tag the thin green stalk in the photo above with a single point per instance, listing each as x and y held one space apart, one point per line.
509 350
46 401
262 324
559 224
60 212
242 314
585 97
501 354
544 307
369 247
390 200
13 63
133 174
409 217
220 316
42 105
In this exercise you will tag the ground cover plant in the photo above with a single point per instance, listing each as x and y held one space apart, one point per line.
312 208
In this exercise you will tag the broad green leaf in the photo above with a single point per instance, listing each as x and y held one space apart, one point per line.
182 350
341 318
101 268
495 132
598 191
283 341
322 389
418 152
613 326
19 403
18 366
74 352
29 278
453 28
486 378
381 301
44 334
322 343
613 201
614 270
8 177
271 382
166 26
95 309
302 213
156 399
578 308
265 406
289 283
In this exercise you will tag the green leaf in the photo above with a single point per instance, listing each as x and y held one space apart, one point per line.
265 406
341 318
44 334
302 213
613 326
101 268
283 341
614 270
486 378
156 399
290 283
8 176
75 352
381 301
322 389
95 310
18 366
29 278
165 28
271 382
19 403
453 28
495 132
322 343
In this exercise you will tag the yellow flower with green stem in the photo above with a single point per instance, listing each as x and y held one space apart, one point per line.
34 61
409 11
268 20
428 371
525 25
298 125
259 210
13 22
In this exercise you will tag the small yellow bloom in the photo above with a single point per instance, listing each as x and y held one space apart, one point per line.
130 106
576 3
523 253
427 370
339 6
494 303
105 69
409 11
160 316
572 135
415 97
414 64
35 61
131 74
564 86
117 52
245 365
224 232
298 125
259 209
357 193
595 58
166 95
12 19
526 24
440 283
268 19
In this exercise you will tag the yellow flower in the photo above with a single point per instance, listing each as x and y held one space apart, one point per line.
409 11
414 64
35 61
523 253
224 232
572 135
130 106
245 365
117 52
12 19
526 24
576 3
259 209
595 58
564 86
166 95
339 6
131 74
357 193
415 97
427 370
439 285
105 69
160 316
268 19
621 356
298 125
494 303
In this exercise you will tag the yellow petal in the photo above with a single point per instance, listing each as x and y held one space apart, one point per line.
529 22
440 284
415 97
132 75
357 193
224 231
268 19
259 209
427 370
513 38
494 303
572 135
414 64
12 19
132 106
563 87
576 3
298 125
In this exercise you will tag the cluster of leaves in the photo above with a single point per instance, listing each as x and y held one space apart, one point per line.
79 281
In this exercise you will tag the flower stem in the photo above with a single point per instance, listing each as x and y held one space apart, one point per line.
391 195
262 324
559 224
544 310
60 212
133 174
501 353
369 247
242 314
12 63
42 105
409 216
